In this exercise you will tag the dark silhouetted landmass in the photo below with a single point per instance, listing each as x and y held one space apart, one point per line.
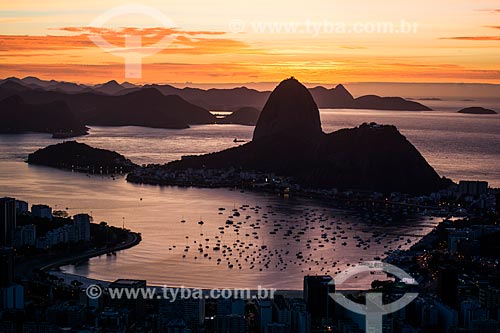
144 107
112 87
388 103
52 117
81 157
477 110
231 99
244 116
217 99
335 98
290 110
429 99
288 141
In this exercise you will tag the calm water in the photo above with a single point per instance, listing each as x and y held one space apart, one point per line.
277 241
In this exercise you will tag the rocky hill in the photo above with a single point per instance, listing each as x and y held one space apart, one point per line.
289 141
80 157
52 117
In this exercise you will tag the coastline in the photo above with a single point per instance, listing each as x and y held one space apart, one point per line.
133 239
48 262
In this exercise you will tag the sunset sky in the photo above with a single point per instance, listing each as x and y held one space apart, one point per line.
223 41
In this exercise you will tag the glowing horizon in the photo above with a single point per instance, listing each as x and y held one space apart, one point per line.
226 42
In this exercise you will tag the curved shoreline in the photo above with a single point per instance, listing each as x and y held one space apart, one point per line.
133 239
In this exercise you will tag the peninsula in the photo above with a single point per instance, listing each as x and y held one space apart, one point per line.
288 141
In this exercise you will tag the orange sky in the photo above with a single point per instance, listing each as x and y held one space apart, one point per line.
224 41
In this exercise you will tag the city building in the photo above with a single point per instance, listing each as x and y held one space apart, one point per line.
135 305
276 328
229 306
6 267
472 188
7 221
264 314
301 319
81 225
489 298
316 295
111 321
25 235
12 297
177 326
281 311
448 285
229 324
192 311
21 207
41 211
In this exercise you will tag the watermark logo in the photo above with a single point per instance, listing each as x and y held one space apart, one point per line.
315 28
93 291
134 51
173 294
374 309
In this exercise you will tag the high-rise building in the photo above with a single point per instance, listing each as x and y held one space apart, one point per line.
21 207
41 211
12 297
177 326
448 286
281 311
229 306
81 225
7 221
191 311
317 291
136 306
497 201
229 324
264 314
6 267
301 319
276 328
25 236
474 188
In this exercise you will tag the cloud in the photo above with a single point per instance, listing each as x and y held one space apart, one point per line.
475 38
494 11
353 47
185 42
241 72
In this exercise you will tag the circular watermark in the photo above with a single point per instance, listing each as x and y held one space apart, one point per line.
374 308
134 51
93 291
237 26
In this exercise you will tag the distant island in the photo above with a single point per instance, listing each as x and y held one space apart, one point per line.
477 110
288 141
434 99
52 117
244 116
80 157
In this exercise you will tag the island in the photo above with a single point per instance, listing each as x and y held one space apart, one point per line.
477 110
72 155
289 144
244 116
